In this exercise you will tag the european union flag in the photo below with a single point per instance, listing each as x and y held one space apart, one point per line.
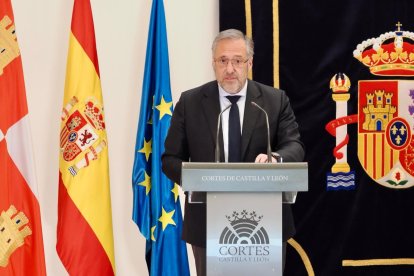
157 210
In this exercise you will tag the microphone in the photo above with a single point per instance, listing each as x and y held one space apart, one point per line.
269 149
218 132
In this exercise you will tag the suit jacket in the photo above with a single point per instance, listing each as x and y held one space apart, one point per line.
192 137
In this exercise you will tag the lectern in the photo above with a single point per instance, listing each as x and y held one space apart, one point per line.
244 212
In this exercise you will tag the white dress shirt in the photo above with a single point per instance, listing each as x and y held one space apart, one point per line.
224 102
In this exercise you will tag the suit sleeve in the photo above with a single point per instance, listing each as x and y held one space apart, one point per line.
176 147
288 144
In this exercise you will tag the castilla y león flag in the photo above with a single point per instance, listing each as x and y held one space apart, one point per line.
21 241
84 231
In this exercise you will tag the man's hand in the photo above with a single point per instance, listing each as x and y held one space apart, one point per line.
262 158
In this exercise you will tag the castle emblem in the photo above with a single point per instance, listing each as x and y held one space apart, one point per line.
13 231
9 49
81 132
385 114
377 110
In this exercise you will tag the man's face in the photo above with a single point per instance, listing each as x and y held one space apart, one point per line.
231 64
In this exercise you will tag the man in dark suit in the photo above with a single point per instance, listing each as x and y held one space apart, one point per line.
192 134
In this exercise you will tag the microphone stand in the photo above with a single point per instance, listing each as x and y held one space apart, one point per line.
217 152
269 149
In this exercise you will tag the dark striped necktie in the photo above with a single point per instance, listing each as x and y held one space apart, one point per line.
234 130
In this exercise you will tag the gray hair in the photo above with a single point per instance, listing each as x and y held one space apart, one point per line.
234 34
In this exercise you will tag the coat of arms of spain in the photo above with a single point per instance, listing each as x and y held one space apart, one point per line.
385 114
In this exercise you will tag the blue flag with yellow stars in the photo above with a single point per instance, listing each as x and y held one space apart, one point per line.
156 204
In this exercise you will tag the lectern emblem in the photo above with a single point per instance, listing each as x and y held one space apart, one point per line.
244 229
244 240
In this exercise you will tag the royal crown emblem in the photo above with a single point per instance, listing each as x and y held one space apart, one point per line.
13 231
340 83
8 43
93 112
390 54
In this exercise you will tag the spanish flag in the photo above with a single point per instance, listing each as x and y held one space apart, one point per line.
84 231
21 241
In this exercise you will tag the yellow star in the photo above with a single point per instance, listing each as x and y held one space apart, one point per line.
146 149
164 108
166 218
152 233
175 191
146 183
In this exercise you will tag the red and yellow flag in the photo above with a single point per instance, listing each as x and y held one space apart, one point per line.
84 231
21 241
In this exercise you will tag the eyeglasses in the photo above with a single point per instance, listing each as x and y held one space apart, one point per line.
236 62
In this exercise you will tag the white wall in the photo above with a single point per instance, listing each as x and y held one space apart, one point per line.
121 32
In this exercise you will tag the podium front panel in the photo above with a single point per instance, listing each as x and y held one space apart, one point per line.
244 177
244 233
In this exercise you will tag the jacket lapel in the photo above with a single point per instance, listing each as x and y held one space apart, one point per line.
251 113
211 109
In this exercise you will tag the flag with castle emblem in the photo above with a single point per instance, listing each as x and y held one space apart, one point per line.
157 210
21 240
84 231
